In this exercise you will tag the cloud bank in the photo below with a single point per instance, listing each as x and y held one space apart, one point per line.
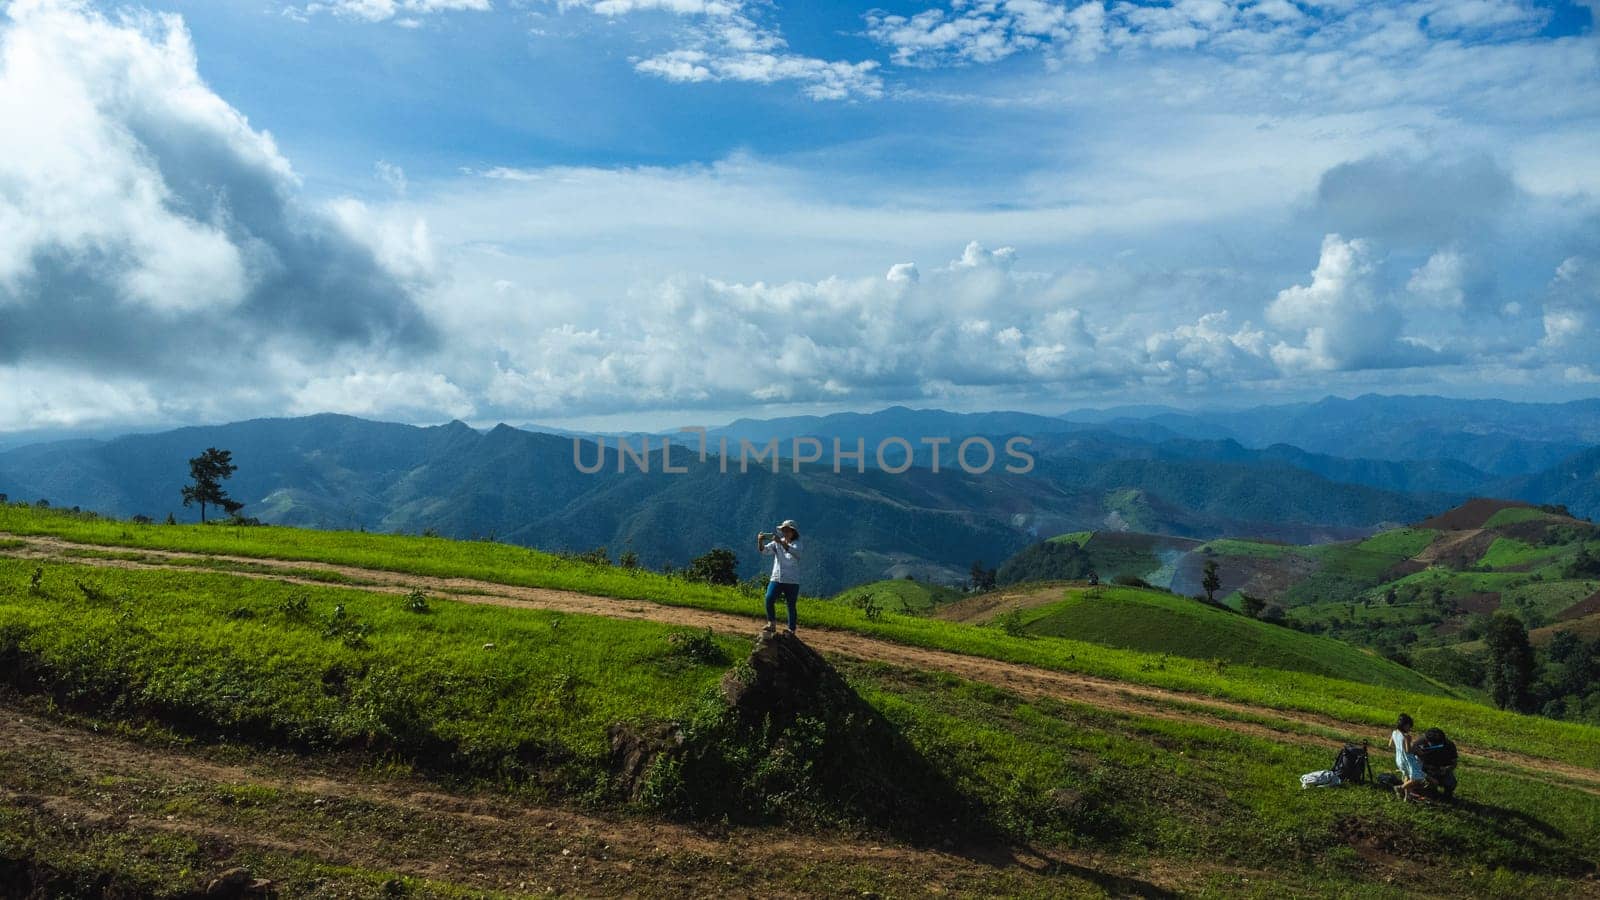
1285 223
149 234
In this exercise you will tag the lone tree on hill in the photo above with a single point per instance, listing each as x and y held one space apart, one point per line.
1211 582
1510 661
207 472
982 579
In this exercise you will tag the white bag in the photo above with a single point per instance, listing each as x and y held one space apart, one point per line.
1324 778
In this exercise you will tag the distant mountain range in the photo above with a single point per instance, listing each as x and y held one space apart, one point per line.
1500 437
1197 475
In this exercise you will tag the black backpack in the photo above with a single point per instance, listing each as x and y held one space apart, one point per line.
1436 751
1351 765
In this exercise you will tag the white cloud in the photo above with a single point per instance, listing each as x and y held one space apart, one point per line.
1441 281
1342 320
986 31
389 10
403 394
1572 311
154 245
725 40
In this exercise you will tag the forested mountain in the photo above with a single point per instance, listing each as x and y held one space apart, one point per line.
333 471
1501 437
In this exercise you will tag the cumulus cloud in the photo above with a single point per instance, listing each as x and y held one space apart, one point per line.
1572 311
1342 318
697 341
147 230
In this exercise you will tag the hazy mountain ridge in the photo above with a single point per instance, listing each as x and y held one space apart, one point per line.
1501 437
333 471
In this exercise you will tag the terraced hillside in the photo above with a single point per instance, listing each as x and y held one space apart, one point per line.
1409 593
352 715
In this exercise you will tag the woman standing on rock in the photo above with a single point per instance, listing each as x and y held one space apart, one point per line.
784 548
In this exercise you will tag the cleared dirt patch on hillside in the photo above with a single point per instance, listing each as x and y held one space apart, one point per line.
1483 602
1403 568
1586 607
1472 514
1586 627
1459 549
980 608
1269 578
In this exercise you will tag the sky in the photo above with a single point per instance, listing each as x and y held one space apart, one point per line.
642 213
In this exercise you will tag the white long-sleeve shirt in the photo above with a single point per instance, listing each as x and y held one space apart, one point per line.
785 561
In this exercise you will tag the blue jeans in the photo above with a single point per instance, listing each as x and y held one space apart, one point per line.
789 592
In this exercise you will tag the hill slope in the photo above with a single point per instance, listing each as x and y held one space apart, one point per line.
1077 768
1158 622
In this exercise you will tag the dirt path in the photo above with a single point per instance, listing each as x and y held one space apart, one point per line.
303 809
1028 681
992 604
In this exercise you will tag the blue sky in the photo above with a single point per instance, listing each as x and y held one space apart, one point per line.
643 212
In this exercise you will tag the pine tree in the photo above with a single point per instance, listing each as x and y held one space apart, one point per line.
207 472
1212 581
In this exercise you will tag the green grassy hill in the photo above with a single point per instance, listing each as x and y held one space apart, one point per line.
901 595
1157 622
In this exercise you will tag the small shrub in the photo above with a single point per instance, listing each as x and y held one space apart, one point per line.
697 646
1158 665
347 628
870 607
1011 623
92 593
417 602
36 581
297 608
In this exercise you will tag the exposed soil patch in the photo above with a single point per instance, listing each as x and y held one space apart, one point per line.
1588 606
1403 568
1473 514
986 607
1484 602
1459 550
1587 627
1269 578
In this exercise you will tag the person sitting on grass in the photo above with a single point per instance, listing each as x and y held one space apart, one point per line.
784 548
1406 760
